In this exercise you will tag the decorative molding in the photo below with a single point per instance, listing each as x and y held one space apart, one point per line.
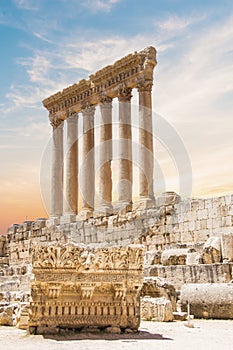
105 82
78 286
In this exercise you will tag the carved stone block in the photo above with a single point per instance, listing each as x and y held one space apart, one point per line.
76 286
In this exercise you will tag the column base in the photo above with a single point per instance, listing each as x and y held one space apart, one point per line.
85 214
143 203
122 208
53 221
103 211
67 219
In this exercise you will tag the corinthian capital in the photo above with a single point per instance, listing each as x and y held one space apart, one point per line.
105 101
124 93
144 85
72 118
55 121
88 109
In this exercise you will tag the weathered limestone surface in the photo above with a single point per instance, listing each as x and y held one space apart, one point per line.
71 169
227 247
175 256
212 251
157 228
78 287
22 316
152 227
208 300
156 287
182 274
156 309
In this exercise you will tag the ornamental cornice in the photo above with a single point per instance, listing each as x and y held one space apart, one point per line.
106 81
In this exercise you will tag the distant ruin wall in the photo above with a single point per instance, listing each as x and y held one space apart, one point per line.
178 275
194 220
172 223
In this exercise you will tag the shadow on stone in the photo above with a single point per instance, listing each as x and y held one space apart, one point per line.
131 337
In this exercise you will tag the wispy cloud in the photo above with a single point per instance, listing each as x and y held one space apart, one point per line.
176 24
27 4
197 69
42 37
99 5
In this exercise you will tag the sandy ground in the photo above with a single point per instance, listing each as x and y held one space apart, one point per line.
206 334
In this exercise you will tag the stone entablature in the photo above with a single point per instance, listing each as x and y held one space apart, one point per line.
76 286
134 70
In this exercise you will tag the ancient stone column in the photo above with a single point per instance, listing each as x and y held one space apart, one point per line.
146 159
71 170
57 170
125 151
105 157
87 168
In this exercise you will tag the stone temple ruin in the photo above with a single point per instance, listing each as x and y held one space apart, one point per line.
103 266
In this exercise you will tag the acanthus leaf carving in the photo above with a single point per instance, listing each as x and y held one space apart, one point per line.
124 93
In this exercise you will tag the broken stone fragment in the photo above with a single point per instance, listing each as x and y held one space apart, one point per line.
156 309
212 252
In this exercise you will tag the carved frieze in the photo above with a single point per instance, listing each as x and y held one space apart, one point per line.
106 82
79 286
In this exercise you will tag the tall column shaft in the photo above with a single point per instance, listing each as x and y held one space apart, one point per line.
146 157
57 172
105 157
71 167
87 169
125 149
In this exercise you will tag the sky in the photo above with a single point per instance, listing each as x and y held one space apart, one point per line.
46 45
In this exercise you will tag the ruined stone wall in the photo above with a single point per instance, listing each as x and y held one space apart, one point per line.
171 224
21 239
178 275
184 223
195 220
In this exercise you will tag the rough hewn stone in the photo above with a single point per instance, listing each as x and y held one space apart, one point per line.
156 287
227 247
212 251
22 316
156 309
175 256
